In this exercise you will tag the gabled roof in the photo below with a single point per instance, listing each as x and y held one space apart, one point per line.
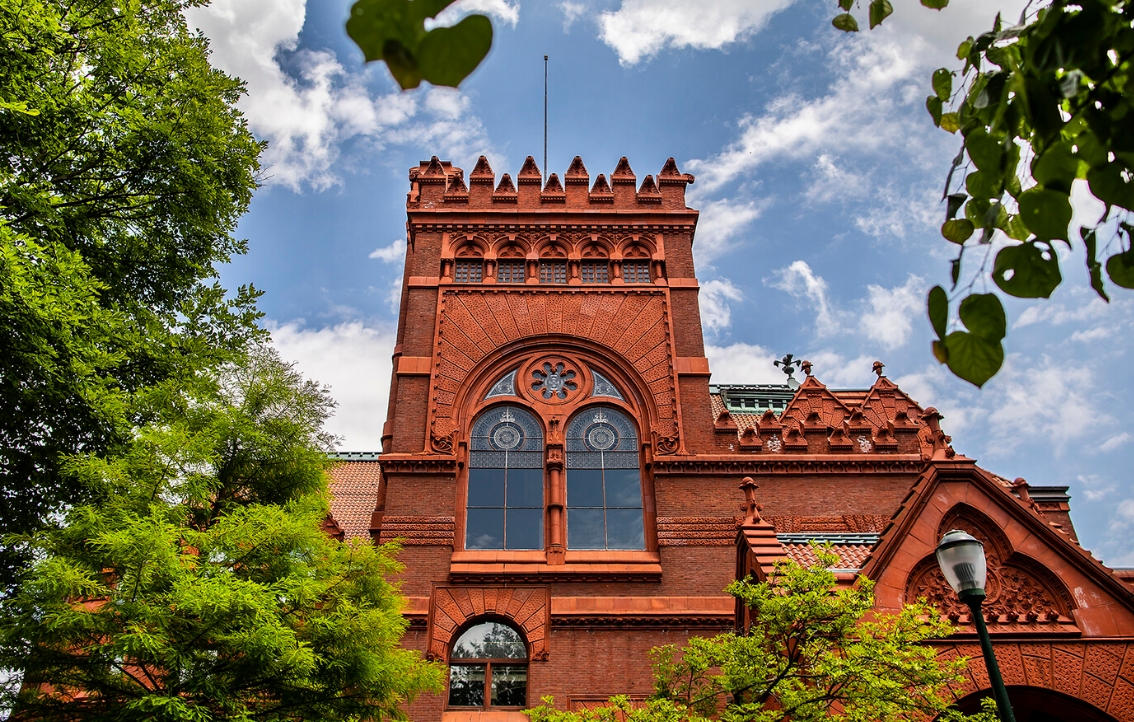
954 489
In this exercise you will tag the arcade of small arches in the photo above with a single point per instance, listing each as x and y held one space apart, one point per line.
571 259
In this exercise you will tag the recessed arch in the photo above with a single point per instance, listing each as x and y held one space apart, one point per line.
605 501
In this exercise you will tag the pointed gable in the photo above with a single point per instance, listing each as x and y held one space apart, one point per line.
530 172
577 172
813 402
482 173
1040 580
622 172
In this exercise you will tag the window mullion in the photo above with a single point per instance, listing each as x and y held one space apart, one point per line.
504 543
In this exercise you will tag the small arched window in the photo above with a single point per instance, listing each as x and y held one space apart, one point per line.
488 656
505 491
604 482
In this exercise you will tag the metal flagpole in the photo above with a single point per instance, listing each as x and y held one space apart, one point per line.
545 119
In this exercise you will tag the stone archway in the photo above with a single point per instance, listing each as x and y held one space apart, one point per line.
1096 674
1035 704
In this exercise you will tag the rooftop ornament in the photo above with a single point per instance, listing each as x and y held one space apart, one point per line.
788 365
878 366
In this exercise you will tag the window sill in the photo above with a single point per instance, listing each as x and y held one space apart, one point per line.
597 565
512 714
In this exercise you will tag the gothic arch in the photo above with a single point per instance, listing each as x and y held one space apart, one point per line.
1019 589
1074 680
454 608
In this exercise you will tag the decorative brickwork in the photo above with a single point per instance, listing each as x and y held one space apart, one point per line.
418 530
454 607
632 324
704 531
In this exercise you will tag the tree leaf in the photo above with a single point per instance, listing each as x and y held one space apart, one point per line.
983 184
957 230
1120 268
954 203
935 4
973 358
1046 213
950 122
1056 167
938 306
983 315
940 352
1094 268
933 105
1023 272
986 152
965 48
846 5
879 11
1109 186
448 55
846 23
943 83
1015 229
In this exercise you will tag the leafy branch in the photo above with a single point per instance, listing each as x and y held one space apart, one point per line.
1043 106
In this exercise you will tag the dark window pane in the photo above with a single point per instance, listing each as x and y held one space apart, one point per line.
636 271
584 529
510 272
486 487
553 271
624 529
525 488
466 685
525 529
509 685
485 529
623 488
489 640
584 487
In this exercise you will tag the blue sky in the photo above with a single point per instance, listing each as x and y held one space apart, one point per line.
818 177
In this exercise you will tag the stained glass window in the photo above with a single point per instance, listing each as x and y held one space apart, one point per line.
596 272
553 271
636 271
510 271
505 386
603 386
469 271
489 656
505 492
604 484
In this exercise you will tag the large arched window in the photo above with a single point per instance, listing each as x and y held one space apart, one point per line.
604 482
505 492
489 656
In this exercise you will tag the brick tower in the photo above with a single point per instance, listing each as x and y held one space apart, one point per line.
563 478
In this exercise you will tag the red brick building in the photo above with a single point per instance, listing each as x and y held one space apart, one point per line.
563 476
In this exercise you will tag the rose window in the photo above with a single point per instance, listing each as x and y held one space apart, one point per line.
554 381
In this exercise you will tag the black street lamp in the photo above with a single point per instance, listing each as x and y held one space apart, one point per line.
961 558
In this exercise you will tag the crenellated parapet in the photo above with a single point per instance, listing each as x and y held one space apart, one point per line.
437 184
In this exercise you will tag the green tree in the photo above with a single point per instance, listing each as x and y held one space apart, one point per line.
1039 105
198 584
124 166
810 654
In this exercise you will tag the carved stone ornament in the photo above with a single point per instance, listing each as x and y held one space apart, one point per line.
554 381
453 608
667 445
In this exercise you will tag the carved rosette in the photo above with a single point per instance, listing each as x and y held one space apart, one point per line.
452 608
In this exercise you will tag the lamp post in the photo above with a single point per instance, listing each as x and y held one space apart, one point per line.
961 558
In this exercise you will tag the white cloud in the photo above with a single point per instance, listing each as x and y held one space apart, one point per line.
307 114
500 10
1115 441
394 295
716 315
572 11
640 29
860 111
742 363
1094 488
719 223
889 314
837 371
354 360
829 182
801 282
396 251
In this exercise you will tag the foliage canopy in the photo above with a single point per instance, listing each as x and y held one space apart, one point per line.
124 166
199 585
810 654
